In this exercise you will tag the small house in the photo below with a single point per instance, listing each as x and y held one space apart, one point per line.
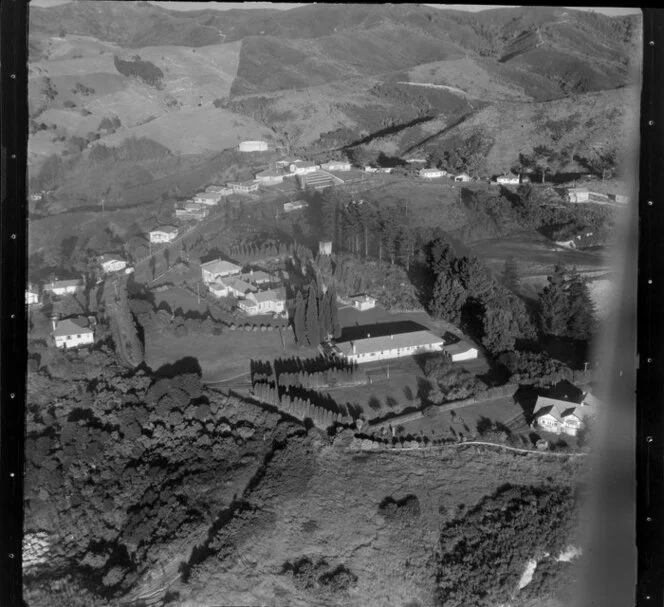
460 351
222 190
163 234
65 287
256 277
31 295
325 247
110 262
462 177
432 173
270 177
295 205
218 289
212 271
578 195
565 409
253 146
371 349
238 287
72 332
363 302
336 165
302 167
264 302
208 198
243 187
508 179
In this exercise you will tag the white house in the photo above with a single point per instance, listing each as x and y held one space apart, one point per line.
163 234
370 169
464 177
65 287
460 351
31 295
363 302
432 173
238 287
561 416
302 167
264 302
253 146
72 332
416 160
222 190
197 214
112 263
208 198
336 165
578 195
295 205
212 271
218 289
370 349
508 179
270 177
325 247
243 187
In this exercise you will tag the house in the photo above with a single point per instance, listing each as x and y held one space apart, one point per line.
370 169
325 247
218 289
294 206
163 234
112 263
302 167
264 302
336 165
196 214
385 170
270 177
238 287
257 277
285 163
71 333
65 287
211 271
619 198
387 347
222 190
578 195
463 177
363 302
416 160
31 295
318 180
508 179
253 146
243 187
432 173
461 350
565 409
208 198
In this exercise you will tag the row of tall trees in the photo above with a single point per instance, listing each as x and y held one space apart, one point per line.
316 317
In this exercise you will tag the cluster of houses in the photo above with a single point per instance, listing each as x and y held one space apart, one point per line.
257 292
438 173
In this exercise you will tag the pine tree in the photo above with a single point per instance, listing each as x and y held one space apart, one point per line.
299 322
511 275
324 315
554 312
312 326
448 299
334 315
581 321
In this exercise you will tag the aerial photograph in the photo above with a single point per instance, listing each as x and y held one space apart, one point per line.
313 298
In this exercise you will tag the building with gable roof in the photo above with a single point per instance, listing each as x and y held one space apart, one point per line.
72 333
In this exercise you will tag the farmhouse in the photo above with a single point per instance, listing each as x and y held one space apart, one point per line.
31 295
461 350
318 180
578 195
294 206
464 177
508 179
302 167
112 263
163 234
64 287
386 347
336 165
211 271
432 173
264 302
72 332
270 177
253 146
565 409
363 302
243 187
208 198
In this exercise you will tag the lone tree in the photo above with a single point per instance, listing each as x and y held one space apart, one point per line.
581 322
299 325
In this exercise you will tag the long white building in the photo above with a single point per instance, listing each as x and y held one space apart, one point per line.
370 349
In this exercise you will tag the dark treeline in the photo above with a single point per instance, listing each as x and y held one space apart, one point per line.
131 149
145 70
315 318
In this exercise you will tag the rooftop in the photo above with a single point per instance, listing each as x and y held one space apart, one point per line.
270 295
560 409
71 326
64 283
165 229
459 347
219 266
389 342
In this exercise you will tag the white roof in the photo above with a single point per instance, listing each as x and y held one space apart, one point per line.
368 345
71 326
560 409
219 266
270 295
165 230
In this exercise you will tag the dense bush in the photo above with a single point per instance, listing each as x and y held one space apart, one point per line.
145 70
131 149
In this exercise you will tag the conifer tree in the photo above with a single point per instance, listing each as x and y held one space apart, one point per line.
554 311
334 315
299 322
581 320
325 315
312 326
